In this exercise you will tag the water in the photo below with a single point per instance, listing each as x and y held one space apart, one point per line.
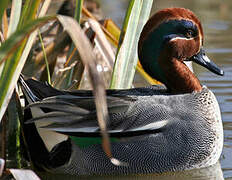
216 18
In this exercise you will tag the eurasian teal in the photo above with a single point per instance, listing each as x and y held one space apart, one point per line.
154 129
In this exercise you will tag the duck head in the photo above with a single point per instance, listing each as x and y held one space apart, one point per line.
170 37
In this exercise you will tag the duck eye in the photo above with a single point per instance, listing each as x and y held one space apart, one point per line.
189 33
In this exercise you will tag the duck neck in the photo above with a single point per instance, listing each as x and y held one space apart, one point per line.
179 79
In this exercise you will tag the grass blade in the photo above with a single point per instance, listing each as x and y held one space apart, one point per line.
29 12
5 25
14 16
9 74
133 55
13 134
15 40
22 174
45 57
85 50
77 16
125 64
115 31
103 43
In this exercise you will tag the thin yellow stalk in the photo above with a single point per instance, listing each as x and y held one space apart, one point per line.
45 57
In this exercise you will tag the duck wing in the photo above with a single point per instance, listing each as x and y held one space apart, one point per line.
73 113
43 90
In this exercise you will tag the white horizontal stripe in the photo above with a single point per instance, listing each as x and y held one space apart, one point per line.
181 38
153 126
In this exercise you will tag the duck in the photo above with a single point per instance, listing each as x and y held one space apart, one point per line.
172 127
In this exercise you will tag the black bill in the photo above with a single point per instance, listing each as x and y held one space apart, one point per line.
201 59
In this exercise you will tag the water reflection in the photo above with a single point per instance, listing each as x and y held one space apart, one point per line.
213 172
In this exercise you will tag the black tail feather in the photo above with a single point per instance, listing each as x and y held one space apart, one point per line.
39 155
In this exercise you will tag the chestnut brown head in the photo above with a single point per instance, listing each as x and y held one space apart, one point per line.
176 32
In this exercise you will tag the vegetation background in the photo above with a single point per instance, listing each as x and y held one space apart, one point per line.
71 49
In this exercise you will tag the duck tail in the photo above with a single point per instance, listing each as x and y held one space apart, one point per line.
35 149
36 90
30 96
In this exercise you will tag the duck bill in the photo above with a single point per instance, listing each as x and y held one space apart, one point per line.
201 59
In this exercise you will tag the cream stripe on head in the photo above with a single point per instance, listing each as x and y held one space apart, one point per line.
181 38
